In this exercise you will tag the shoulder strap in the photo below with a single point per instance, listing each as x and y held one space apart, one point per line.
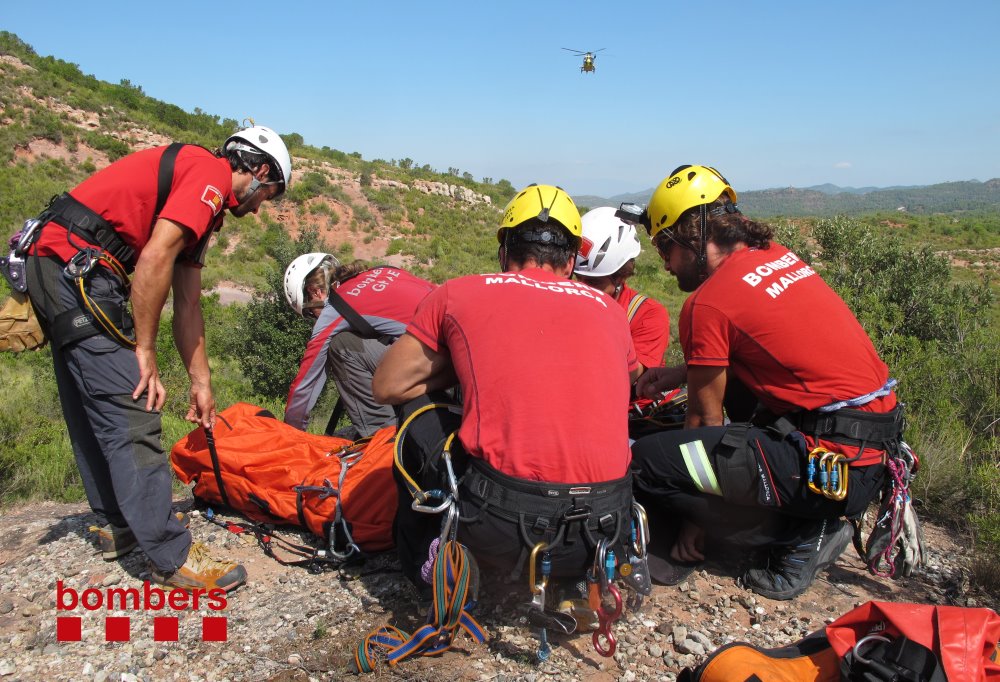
166 176
633 305
358 323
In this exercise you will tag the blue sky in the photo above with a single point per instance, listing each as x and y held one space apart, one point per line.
773 93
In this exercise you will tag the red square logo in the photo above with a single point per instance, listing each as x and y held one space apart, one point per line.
165 629
214 629
116 628
68 628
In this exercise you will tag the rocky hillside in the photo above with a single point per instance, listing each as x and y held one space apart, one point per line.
59 125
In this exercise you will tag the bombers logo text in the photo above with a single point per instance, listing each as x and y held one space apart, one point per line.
781 280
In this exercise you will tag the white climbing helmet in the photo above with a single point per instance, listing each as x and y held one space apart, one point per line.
608 243
263 139
297 272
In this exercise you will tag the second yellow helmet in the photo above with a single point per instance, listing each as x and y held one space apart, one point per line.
685 188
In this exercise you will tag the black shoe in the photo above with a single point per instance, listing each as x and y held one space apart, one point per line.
665 571
791 572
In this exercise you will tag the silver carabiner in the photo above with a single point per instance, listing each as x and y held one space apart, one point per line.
600 556
419 506
641 528
27 236
865 640
449 527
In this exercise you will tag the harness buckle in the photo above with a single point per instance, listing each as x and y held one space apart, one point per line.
577 513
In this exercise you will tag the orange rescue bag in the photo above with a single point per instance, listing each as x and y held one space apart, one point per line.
271 472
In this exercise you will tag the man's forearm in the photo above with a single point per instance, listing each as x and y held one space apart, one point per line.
189 336
150 285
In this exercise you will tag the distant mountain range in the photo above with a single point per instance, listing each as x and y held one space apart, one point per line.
827 200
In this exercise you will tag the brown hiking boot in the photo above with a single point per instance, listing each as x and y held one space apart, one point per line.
117 541
202 571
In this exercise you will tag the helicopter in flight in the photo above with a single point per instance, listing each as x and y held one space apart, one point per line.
588 59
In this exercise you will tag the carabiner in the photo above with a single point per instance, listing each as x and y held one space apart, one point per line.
452 480
641 529
600 557
814 469
81 263
449 526
535 585
421 498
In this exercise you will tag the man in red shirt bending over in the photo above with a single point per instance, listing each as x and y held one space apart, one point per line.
544 365
150 215
760 320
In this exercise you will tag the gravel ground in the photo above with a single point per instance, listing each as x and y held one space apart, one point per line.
289 624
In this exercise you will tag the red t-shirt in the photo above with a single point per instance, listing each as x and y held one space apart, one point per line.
650 327
544 367
124 194
783 332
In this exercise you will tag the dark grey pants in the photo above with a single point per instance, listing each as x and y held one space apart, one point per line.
351 362
116 442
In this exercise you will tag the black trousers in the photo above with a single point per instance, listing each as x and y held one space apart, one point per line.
502 518
751 496
116 442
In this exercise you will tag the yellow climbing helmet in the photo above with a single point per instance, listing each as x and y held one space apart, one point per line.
544 202
685 188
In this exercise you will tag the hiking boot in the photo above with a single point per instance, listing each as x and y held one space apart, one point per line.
791 572
202 571
117 541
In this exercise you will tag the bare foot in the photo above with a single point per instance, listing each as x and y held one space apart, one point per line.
690 544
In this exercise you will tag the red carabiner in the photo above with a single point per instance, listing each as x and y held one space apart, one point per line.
606 620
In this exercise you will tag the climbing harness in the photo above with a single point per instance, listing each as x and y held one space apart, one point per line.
559 510
103 246
77 270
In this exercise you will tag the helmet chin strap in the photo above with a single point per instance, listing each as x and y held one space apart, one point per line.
703 251
503 251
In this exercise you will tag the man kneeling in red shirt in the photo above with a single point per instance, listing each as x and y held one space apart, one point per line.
545 365
761 321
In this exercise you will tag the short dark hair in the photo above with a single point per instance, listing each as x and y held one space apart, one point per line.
240 159
545 243
725 229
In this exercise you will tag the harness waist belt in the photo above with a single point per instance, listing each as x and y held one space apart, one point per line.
77 323
509 497
851 427
69 213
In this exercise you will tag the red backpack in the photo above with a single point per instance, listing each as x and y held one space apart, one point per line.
271 472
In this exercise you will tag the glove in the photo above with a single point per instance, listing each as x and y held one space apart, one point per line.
913 553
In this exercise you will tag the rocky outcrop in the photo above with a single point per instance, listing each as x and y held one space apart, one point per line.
457 192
